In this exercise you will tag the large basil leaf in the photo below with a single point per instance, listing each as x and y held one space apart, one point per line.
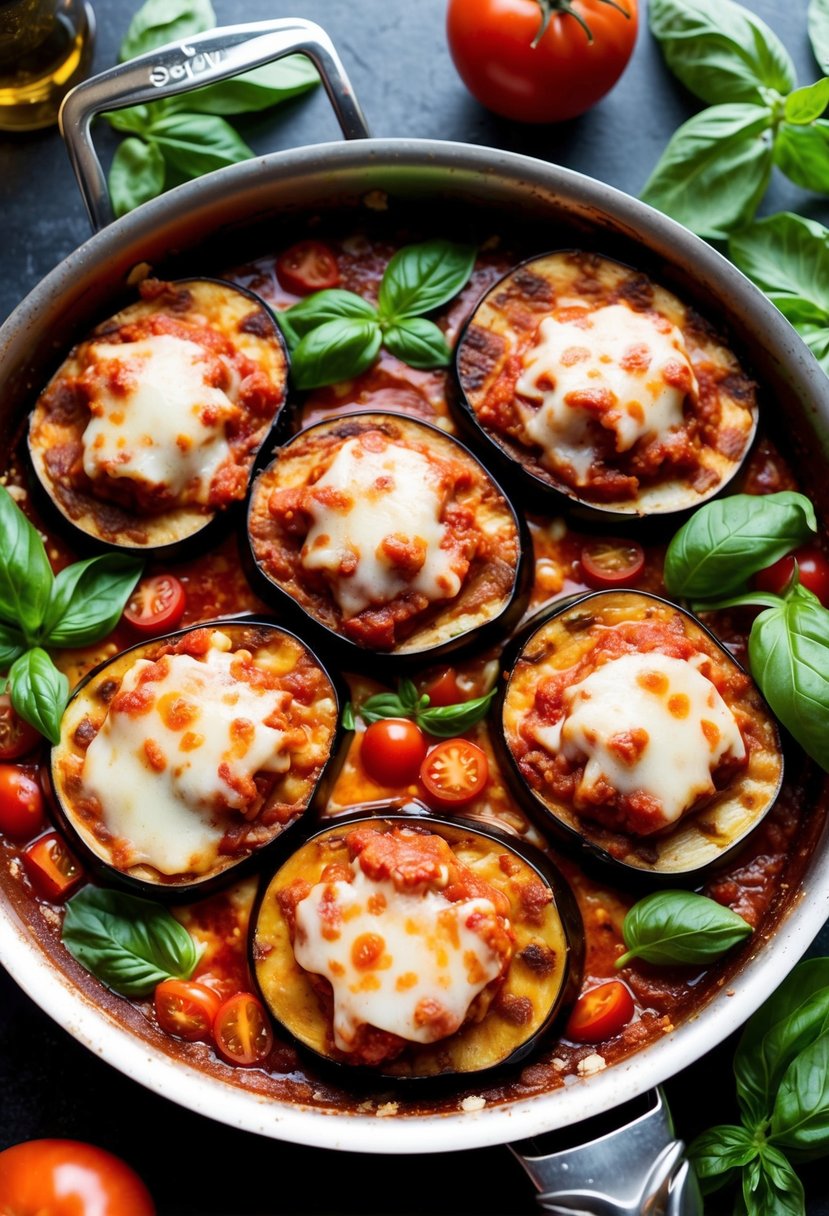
800 1118
720 50
715 169
25 574
718 1152
724 542
257 90
680 927
418 342
197 143
788 651
331 304
810 321
136 175
819 32
161 21
422 277
335 351
802 153
39 692
88 599
771 1187
130 944
785 253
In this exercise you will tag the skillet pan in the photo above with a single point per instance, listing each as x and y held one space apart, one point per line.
192 222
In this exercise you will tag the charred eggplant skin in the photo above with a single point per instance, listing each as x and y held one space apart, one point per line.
94 524
183 888
435 1069
327 637
701 840
516 464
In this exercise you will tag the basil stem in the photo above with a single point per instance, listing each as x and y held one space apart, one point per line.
680 927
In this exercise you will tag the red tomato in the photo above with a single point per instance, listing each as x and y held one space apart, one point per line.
610 562
157 604
186 1009
53 870
21 803
454 771
17 736
69 1178
600 1013
813 571
443 688
242 1030
307 266
391 751
564 74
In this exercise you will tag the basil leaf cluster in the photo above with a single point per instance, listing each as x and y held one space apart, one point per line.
182 137
335 335
77 607
130 944
711 560
781 1067
441 721
716 167
670 927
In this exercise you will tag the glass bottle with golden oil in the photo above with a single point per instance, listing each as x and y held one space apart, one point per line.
45 49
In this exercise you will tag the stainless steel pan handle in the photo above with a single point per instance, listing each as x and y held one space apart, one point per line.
627 1170
191 64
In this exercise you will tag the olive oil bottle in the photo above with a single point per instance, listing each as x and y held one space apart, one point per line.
45 49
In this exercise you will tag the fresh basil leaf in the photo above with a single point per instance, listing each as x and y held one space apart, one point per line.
720 51
136 175
332 304
88 599
819 32
715 169
771 1187
718 1152
810 321
382 705
785 253
257 90
802 153
161 21
800 1117
446 721
422 277
136 120
418 342
25 574
726 541
130 944
806 104
198 143
680 927
12 645
39 692
348 716
788 651
409 696
335 351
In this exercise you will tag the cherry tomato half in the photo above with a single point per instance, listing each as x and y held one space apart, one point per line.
307 266
69 1178
492 46
454 771
813 571
157 604
610 562
21 803
53 870
186 1009
391 751
443 688
242 1030
600 1013
17 736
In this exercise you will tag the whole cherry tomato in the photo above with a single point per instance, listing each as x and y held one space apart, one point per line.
307 266
812 568
454 772
69 1178
391 751
509 68
21 803
186 1009
157 604
600 1013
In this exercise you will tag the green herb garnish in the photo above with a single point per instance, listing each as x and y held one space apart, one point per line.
671 927
442 721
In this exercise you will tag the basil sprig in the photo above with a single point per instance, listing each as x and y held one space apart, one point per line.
716 167
781 1067
130 944
185 136
334 335
670 927
39 610
442 721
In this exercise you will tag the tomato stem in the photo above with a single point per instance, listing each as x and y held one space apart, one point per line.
549 7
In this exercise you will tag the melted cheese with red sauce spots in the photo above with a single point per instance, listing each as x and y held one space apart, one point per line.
158 417
646 722
166 776
626 371
375 500
394 959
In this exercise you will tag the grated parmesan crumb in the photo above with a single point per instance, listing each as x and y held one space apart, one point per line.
365 1107
558 1064
50 916
473 1102
388 1108
18 493
591 1064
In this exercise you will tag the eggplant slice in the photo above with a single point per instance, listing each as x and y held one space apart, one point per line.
510 1016
183 758
590 383
634 736
383 534
148 431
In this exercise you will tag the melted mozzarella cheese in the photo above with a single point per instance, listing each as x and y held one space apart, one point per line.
421 949
155 418
167 776
615 353
646 722
367 497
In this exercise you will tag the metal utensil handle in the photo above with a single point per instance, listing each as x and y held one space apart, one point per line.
191 64
636 1168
